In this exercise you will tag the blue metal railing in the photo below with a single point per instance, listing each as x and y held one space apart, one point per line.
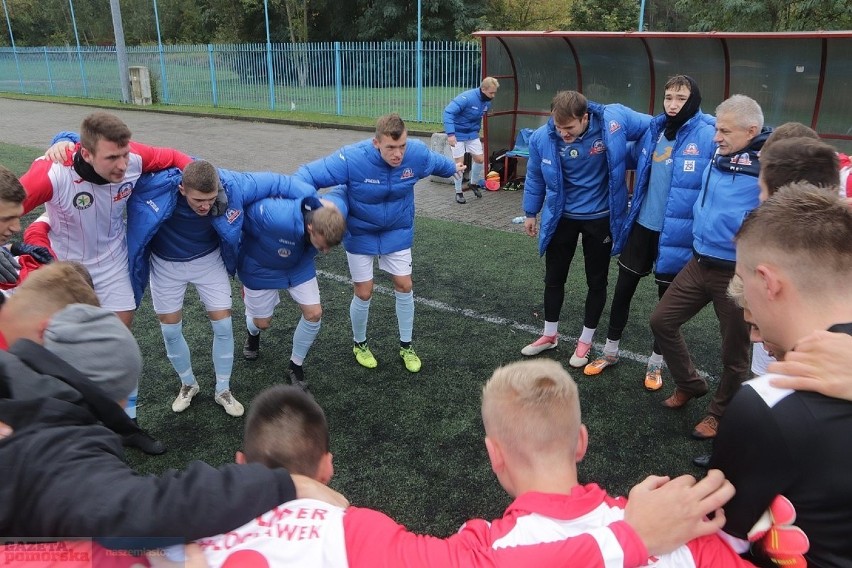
342 78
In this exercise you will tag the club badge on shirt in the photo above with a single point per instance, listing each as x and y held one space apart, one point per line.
83 200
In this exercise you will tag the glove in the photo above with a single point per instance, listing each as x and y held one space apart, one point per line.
9 267
778 538
40 254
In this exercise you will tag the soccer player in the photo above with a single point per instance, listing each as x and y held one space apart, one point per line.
379 176
794 257
675 151
462 121
12 196
280 242
86 197
576 179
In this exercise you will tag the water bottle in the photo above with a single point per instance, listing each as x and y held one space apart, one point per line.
519 220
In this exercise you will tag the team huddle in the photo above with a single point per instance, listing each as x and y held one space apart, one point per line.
723 210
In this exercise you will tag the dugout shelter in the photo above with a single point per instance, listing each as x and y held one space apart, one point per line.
804 77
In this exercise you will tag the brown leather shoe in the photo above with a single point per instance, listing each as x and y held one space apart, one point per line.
679 399
707 428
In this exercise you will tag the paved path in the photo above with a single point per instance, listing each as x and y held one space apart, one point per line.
248 146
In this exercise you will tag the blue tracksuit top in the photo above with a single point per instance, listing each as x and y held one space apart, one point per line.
728 194
276 252
463 116
380 198
154 200
544 187
693 149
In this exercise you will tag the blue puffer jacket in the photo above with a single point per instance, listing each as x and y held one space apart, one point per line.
154 199
543 187
380 198
693 150
276 252
463 116
729 193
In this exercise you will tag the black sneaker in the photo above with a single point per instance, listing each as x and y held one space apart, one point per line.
143 441
251 346
476 190
460 199
297 378
702 461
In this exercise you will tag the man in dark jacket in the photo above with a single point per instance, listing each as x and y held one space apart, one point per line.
63 467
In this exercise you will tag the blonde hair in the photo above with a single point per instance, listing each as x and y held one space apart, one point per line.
736 291
489 82
328 222
51 288
532 408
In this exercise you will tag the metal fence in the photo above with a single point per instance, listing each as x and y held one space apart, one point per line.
348 79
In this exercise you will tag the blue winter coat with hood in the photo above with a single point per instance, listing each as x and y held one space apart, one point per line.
380 198
463 116
693 149
276 251
544 188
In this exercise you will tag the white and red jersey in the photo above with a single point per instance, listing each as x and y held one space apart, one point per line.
87 219
845 175
585 529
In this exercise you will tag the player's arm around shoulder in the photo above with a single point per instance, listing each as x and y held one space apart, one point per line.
157 158
375 540
634 123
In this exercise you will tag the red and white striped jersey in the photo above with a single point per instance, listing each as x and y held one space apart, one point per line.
585 528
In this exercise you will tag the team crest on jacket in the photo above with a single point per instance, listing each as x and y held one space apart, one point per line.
284 252
407 173
691 149
232 214
123 192
741 159
597 148
613 126
83 200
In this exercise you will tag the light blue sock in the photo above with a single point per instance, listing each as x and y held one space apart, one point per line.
130 409
405 314
223 352
359 313
477 174
304 336
178 351
457 183
252 329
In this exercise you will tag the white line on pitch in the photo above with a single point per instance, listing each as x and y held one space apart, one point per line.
472 314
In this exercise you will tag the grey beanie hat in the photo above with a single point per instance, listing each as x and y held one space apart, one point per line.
96 343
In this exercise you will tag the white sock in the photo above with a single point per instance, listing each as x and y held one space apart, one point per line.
587 335
550 328
655 360
611 347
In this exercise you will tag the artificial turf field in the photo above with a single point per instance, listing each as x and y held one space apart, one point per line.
411 444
